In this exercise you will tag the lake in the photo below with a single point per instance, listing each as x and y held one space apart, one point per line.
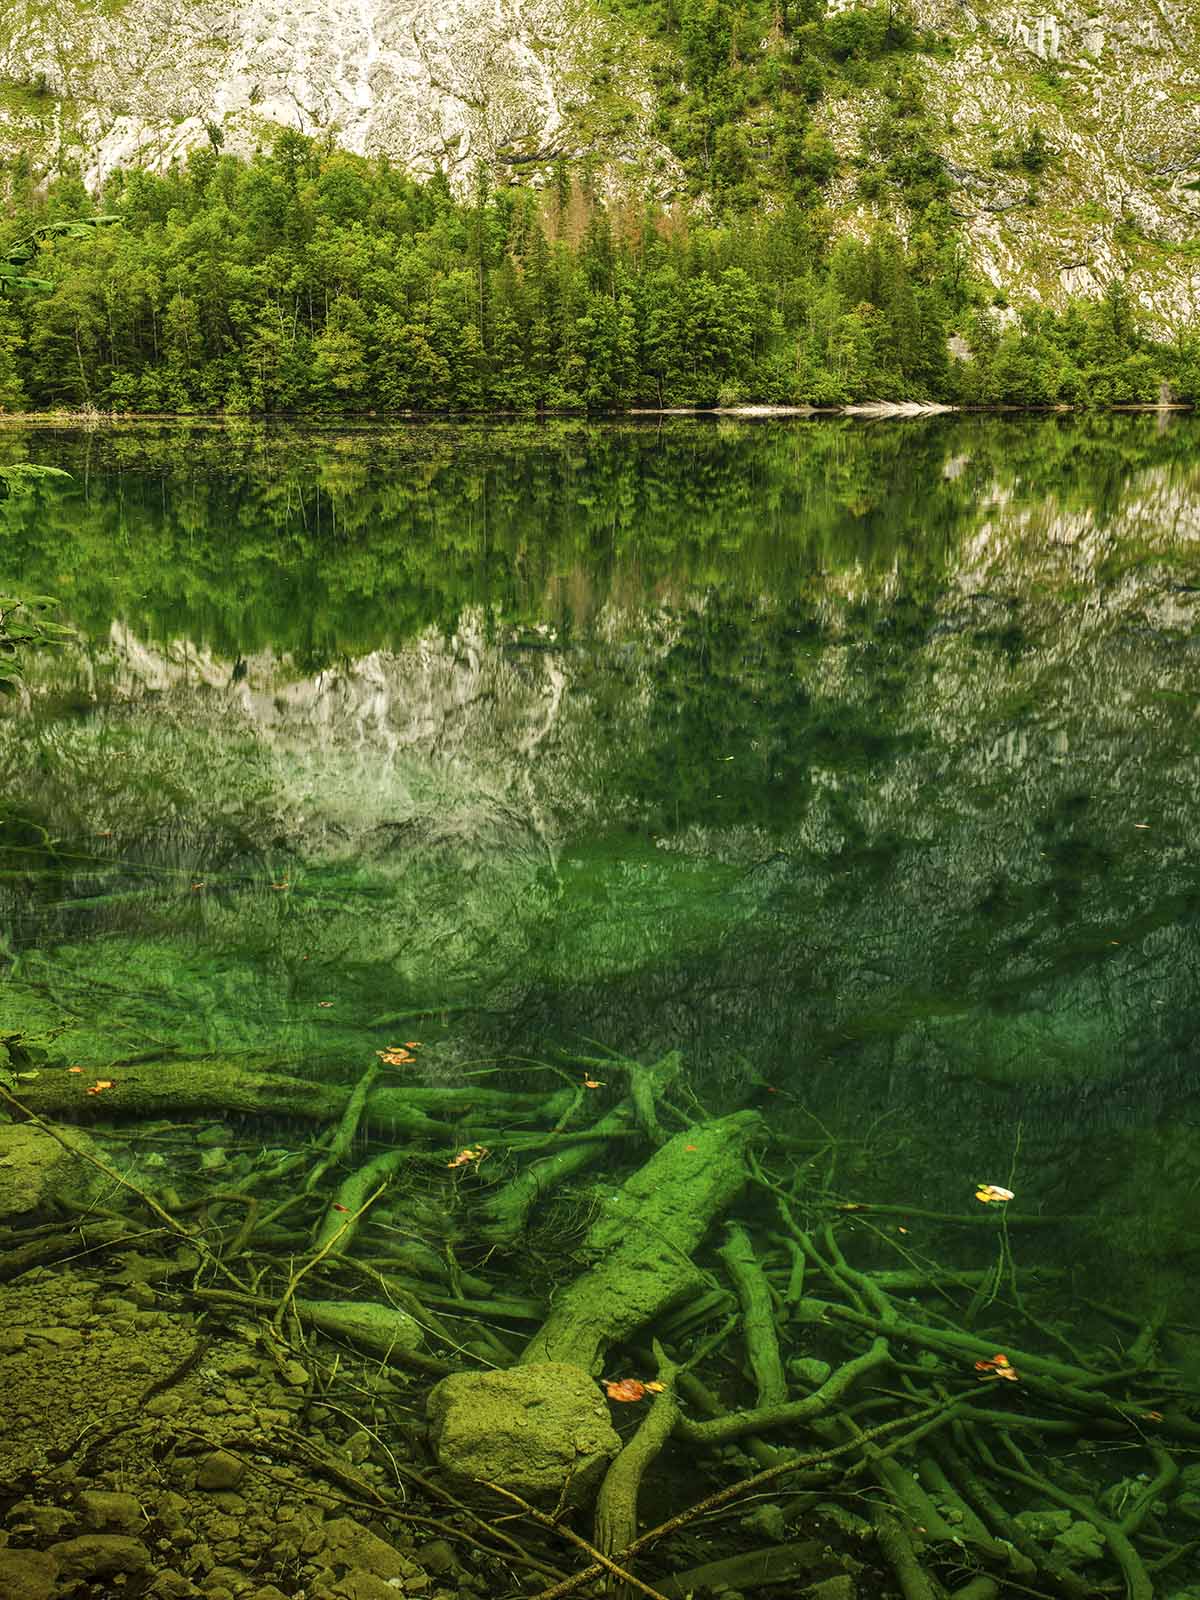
857 762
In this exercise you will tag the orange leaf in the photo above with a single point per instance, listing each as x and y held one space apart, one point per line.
412 1044
100 1085
624 1389
475 1152
394 1057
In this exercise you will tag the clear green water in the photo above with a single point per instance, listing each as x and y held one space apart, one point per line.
861 763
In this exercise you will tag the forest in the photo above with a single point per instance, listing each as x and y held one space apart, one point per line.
306 279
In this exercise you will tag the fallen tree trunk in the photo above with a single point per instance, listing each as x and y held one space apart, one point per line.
643 1241
216 1084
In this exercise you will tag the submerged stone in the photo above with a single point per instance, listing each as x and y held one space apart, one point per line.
534 1430
36 1170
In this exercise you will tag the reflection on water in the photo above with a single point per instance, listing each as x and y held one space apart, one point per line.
859 763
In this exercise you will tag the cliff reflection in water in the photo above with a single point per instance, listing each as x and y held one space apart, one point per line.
859 763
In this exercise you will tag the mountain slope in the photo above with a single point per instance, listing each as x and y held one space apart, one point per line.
1070 138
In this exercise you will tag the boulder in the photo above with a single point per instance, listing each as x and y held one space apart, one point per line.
36 1171
100 1555
27 1574
536 1430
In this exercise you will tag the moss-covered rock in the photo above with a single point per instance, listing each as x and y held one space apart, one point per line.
533 1430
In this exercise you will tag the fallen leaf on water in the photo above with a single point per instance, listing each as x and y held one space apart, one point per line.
998 1367
475 1152
993 1194
624 1389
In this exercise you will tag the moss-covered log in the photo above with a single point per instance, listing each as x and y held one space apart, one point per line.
210 1085
643 1240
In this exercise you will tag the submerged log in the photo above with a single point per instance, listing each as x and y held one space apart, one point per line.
216 1084
643 1240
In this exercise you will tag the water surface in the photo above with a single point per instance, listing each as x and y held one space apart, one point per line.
858 762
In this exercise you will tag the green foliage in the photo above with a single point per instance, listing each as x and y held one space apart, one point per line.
1094 354
1034 155
737 79
24 621
309 279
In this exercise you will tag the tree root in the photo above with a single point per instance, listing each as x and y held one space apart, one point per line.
616 1505
758 1317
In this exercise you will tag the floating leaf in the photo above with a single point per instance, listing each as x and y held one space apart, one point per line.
624 1389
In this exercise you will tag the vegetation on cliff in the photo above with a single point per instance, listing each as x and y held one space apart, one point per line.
306 279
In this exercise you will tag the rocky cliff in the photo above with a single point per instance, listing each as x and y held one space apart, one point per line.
1111 87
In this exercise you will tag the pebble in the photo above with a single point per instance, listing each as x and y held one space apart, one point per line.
27 1574
100 1555
220 1470
100 1508
60 1338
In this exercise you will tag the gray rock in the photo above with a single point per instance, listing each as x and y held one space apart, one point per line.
767 1520
36 1171
172 1585
361 1585
531 1429
27 1574
220 1470
347 1543
839 1588
100 1509
100 1555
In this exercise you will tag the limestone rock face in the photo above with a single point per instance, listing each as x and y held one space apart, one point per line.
35 1170
435 86
530 1430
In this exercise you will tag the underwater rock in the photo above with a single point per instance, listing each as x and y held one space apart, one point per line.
27 1574
100 1555
36 1170
529 1430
